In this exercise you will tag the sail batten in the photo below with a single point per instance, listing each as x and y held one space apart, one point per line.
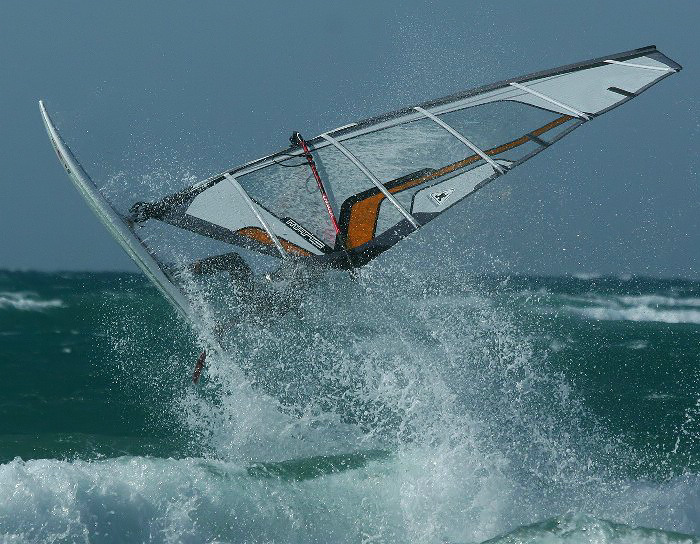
551 100
234 182
497 167
372 178
644 66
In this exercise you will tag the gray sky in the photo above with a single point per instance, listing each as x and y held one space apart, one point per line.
178 91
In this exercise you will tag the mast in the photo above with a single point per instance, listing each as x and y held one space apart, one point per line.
340 147
296 139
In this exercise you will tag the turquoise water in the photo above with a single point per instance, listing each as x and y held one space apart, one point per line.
440 407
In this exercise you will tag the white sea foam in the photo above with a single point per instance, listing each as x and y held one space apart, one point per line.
141 499
26 301
659 396
483 438
635 300
658 308
637 313
657 300
637 344
587 275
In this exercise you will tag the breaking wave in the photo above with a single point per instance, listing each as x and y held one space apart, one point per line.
402 499
482 435
639 313
657 308
27 302
401 409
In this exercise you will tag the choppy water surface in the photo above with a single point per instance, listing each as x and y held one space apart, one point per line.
439 407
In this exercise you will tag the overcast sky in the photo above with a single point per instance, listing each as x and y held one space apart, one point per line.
178 91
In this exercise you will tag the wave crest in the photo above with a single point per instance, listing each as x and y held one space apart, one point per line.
27 302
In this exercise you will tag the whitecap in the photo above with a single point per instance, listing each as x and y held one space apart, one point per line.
637 344
657 300
659 396
27 302
638 313
586 275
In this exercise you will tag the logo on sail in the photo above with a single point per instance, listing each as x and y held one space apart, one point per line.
301 231
440 196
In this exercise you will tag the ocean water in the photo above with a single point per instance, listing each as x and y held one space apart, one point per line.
395 407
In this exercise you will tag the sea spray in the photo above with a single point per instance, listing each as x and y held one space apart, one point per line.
436 373
401 409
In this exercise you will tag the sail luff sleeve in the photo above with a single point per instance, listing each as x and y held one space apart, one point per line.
372 178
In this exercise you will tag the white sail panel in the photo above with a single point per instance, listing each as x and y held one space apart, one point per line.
589 90
222 205
437 198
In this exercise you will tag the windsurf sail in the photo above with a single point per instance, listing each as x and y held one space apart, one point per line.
383 178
